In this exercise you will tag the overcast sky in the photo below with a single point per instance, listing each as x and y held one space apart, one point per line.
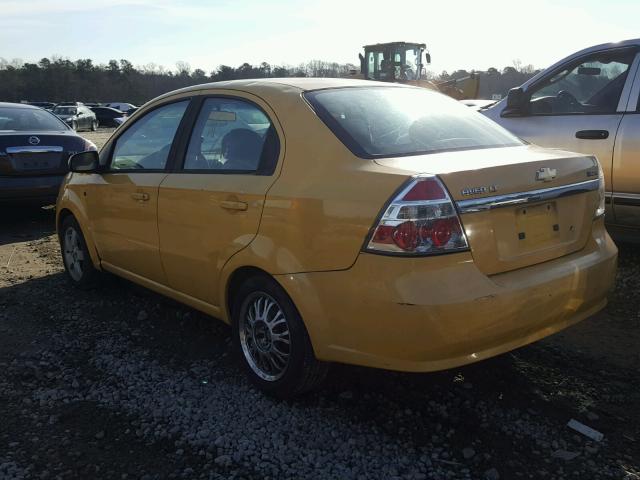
458 33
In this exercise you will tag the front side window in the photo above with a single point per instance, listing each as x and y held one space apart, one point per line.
229 135
410 67
145 145
379 66
29 119
592 85
371 68
390 121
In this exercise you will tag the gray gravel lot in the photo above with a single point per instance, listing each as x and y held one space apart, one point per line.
120 383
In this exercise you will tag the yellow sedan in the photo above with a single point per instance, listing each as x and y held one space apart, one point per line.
341 221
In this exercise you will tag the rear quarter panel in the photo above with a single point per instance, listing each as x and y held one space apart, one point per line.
319 211
71 199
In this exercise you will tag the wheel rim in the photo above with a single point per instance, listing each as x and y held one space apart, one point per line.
264 336
73 253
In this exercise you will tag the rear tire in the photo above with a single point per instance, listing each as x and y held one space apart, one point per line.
271 340
75 255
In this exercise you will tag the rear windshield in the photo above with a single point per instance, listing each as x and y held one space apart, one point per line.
26 119
393 121
65 110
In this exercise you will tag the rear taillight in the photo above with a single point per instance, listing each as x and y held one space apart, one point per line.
89 145
420 220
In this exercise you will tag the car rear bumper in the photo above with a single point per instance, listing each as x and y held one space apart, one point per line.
42 189
434 313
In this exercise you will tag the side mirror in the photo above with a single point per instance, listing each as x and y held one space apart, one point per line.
516 103
84 162
80 113
427 58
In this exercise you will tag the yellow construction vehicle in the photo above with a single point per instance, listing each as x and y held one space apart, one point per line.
402 62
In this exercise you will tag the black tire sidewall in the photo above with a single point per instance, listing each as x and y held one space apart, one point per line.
301 350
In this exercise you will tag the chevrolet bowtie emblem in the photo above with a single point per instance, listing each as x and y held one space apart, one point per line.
546 174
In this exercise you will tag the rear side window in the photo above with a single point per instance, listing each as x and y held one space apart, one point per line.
146 144
231 135
393 121
29 119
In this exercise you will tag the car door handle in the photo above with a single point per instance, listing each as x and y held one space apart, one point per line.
140 196
592 134
234 205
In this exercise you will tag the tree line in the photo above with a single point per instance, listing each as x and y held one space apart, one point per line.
59 79
494 81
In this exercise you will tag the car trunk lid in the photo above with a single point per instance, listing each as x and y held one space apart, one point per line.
36 154
519 206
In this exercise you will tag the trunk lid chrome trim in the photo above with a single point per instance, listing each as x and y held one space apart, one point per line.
523 198
34 149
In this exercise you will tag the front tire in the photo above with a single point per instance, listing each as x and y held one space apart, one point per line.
74 126
75 255
271 340
94 125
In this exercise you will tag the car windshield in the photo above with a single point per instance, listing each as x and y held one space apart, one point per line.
65 110
27 119
393 121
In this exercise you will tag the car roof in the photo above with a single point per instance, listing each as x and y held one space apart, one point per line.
603 46
301 83
269 89
275 86
18 105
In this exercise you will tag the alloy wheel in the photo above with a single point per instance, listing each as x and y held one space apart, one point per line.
264 336
73 253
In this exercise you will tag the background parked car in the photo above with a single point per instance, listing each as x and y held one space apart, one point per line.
45 105
108 117
34 148
70 104
123 107
77 117
587 102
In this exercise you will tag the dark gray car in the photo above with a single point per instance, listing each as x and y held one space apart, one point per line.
78 117
35 146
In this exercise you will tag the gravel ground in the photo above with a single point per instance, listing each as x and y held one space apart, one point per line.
122 383
99 137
